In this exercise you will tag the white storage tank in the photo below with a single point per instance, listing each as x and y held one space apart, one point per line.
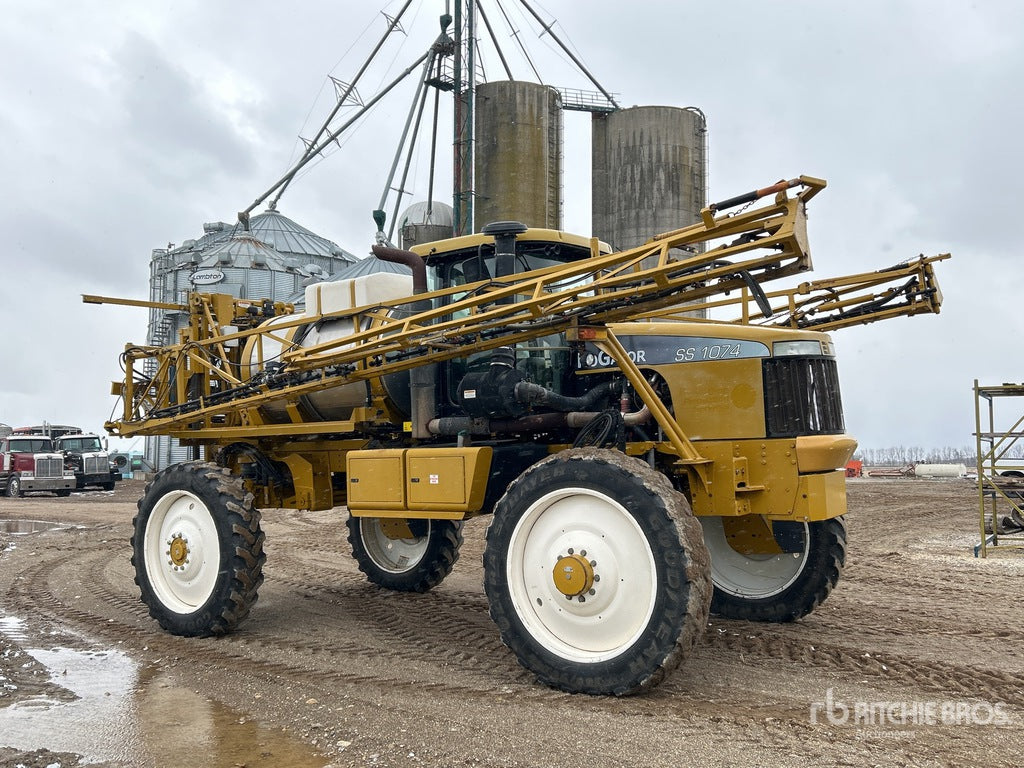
336 403
940 470
269 261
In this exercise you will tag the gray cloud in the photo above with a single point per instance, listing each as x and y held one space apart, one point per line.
126 126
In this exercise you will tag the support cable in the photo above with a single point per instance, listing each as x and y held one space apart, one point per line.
494 39
243 216
416 103
549 29
433 154
515 34
422 93
342 97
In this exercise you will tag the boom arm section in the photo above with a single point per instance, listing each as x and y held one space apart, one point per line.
199 383
906 289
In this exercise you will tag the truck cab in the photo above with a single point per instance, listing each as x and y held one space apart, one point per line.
31 463
85 455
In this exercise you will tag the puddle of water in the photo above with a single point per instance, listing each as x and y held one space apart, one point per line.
27 526
138 716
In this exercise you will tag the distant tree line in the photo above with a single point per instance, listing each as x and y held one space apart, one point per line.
901 455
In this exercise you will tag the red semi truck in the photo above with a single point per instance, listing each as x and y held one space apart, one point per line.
31 463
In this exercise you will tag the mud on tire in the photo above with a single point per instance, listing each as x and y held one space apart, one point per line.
197 549
644 599
815 572
405 555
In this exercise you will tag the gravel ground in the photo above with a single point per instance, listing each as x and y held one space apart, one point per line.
330 670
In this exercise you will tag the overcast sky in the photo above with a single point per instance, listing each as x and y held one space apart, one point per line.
124 126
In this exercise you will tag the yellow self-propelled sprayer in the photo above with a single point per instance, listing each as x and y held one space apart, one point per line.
640 467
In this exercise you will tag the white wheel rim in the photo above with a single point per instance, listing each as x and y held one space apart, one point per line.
185 587
392 555
606 623
751 576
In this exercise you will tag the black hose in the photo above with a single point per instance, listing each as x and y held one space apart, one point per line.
529 393
603 430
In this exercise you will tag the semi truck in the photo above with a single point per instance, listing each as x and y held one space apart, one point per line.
85 454
31 463
640 466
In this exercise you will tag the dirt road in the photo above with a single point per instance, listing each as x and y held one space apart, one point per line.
340 672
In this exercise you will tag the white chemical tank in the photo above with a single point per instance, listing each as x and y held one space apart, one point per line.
940 470
336 403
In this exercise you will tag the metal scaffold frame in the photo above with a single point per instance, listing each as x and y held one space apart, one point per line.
1000 476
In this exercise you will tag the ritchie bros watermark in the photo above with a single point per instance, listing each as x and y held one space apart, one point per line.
883 714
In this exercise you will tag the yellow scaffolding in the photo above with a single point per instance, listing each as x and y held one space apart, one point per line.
999 478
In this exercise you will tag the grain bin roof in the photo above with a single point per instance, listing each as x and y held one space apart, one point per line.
369 266
244 250
278 231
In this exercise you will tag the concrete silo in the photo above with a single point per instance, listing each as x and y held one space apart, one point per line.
649 172
518 154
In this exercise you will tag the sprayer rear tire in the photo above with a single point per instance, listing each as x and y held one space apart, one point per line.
776 588
650 584
405 555
197 550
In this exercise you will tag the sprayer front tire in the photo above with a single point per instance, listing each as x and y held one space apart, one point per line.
405 555
776 588
197 550
643 600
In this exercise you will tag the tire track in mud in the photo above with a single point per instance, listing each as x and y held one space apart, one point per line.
446 625
456 617
406 629
938 580
888 667
387 635
863 620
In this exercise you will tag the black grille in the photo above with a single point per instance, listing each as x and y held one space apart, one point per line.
801 397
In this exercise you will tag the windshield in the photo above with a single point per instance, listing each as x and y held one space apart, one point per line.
81 444
471 265
31 445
